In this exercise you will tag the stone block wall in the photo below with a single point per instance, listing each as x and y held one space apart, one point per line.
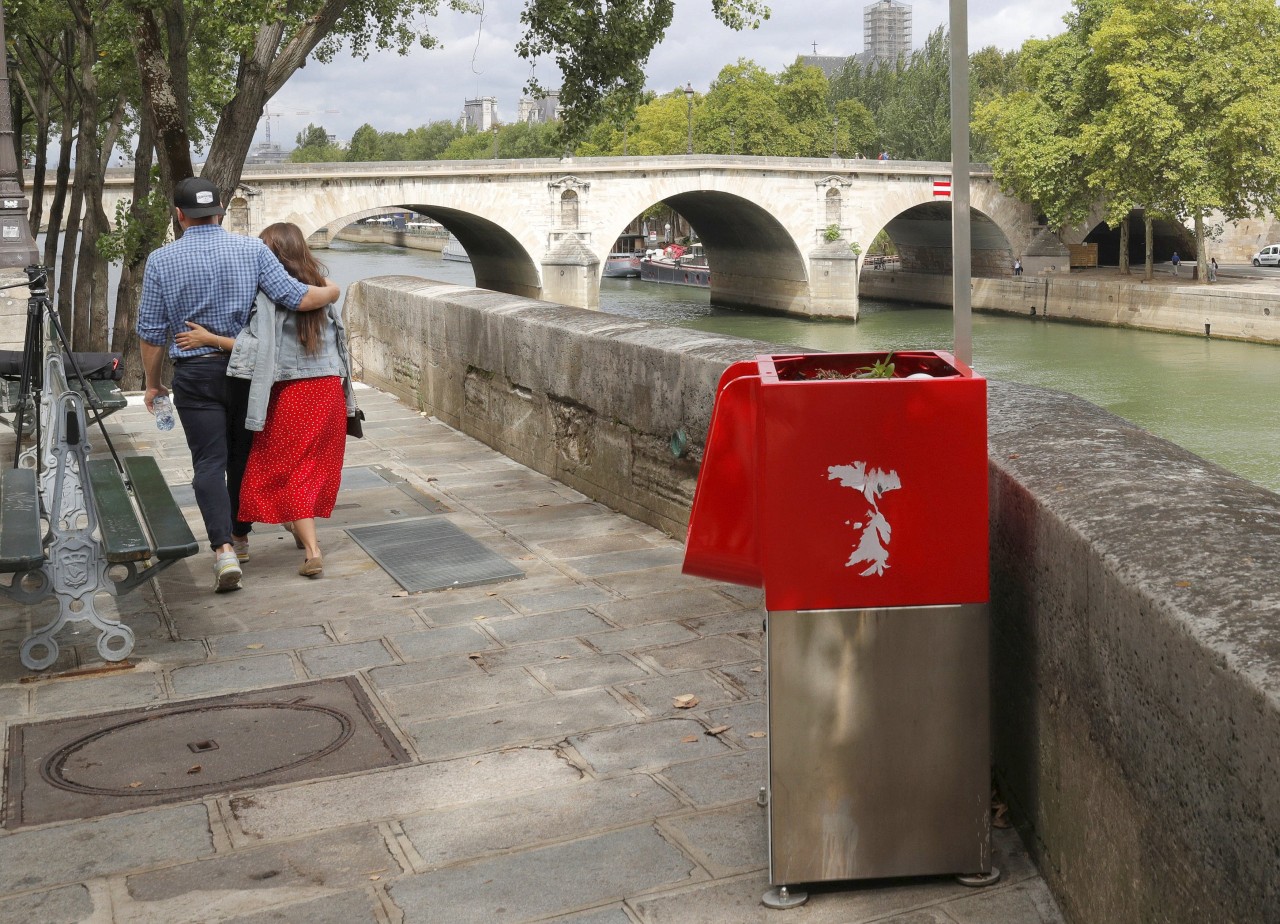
1237 315
1135 587
1135 665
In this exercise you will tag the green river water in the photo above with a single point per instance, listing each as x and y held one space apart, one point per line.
1218 398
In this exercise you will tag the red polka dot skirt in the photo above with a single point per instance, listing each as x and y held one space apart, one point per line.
295 466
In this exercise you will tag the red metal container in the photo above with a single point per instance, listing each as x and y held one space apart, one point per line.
835 492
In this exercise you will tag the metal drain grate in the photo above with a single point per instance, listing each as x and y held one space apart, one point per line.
432 554
97 765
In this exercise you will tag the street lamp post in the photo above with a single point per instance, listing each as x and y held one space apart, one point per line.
733 142
495 142
688 98
835 124
961 256
17 246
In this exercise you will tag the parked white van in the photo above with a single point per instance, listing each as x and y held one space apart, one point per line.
1267 256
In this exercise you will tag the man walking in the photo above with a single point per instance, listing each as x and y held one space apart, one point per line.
1175 260
212 277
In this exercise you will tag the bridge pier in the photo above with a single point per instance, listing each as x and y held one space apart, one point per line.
571 275
833 281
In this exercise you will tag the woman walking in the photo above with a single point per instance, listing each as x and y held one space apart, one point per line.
299 399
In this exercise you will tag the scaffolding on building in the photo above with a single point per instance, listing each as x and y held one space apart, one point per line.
886 30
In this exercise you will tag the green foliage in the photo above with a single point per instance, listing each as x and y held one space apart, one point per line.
831 234
880 369
600 50
131 238
1167 105
314 147
855 248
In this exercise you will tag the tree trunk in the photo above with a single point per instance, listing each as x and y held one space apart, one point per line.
67 268
91 268
1202 259
40 106
161 97
62 179
124 336
239 118
1148 269
62 172
1124 246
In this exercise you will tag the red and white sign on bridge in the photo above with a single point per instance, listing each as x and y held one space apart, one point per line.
942 189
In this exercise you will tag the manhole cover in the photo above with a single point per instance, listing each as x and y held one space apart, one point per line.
83 767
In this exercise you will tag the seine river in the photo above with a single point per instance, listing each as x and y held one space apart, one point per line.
1218 398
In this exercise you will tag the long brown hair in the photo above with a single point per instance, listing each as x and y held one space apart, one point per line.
285 240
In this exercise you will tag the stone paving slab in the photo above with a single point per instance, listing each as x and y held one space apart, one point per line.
552 775
525 886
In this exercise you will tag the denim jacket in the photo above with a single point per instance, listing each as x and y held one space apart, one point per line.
268 350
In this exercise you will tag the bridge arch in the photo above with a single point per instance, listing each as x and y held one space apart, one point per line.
756 263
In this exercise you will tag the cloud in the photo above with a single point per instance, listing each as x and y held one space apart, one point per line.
395 93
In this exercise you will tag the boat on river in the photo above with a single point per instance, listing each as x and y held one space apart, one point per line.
453 250
677 265
624 259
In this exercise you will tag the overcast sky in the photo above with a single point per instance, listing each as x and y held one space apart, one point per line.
394 93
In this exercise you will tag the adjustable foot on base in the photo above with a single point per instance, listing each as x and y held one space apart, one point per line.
978 880
781 897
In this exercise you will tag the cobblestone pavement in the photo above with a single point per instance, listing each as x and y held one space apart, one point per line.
549 775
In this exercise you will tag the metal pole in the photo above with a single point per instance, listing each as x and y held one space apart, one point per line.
961 241
17 245
835 125
688 96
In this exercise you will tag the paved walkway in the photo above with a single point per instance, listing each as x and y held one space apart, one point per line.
549 775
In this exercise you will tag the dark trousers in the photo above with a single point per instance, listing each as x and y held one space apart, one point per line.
212 408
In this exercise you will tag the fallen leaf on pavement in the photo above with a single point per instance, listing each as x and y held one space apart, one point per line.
135 785
255 646
687 739
718 730
1181 583
685 701
756 735
196 769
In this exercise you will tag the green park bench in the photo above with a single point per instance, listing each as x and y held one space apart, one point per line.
73 524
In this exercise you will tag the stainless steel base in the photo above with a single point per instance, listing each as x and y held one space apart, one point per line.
879 743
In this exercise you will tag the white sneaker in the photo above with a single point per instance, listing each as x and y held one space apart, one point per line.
241 547
226 572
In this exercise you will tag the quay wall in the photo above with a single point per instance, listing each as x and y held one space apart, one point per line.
1136 587
375 234
1235 313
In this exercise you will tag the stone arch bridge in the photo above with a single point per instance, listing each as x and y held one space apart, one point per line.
543 228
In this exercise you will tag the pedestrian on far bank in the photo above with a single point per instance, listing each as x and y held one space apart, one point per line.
211 277
1213 269
1017 267
884 156
1175 260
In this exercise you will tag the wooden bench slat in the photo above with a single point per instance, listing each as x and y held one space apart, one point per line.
109 396
21 537
123 539
171 536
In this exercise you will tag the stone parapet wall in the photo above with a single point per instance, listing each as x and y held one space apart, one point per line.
1135 665
1136 587
1236 313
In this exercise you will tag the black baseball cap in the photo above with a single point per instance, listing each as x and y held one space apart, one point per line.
197 198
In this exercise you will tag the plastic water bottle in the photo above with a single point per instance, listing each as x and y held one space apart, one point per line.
164 412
